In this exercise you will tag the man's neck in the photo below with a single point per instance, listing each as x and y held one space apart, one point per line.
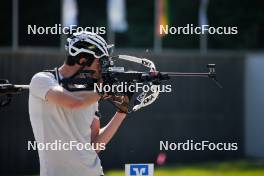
67 71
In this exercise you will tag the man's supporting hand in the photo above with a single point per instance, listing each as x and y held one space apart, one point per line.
121 103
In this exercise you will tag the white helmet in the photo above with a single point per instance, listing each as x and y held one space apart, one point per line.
87 43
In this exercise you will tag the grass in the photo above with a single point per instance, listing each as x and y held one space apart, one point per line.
232 168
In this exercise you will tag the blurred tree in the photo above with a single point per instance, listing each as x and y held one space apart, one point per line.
140 17
247 15
181 14
6 23
92 14
41 13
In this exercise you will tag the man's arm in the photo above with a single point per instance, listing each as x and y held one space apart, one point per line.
95 128
73 100
105 134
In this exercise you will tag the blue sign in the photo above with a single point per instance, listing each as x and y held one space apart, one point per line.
139 169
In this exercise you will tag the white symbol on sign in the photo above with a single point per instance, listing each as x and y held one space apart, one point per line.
139 171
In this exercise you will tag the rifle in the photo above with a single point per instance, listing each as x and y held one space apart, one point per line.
116 75
7 90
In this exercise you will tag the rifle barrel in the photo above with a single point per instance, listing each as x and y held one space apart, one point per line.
183 74
24 87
